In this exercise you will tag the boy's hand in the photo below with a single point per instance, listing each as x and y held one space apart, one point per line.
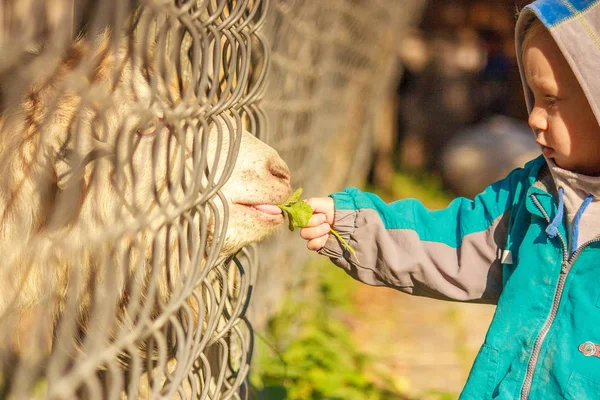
316 231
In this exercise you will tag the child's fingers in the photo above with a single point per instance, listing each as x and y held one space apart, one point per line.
314 232
322 205
317 244
316 220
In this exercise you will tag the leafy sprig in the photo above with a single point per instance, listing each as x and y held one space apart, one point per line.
299 213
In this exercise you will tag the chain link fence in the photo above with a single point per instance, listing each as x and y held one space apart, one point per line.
330 104
127 151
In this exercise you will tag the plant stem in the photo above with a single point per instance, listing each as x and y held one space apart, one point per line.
346 245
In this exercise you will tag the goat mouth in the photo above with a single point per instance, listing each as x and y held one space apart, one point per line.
269 212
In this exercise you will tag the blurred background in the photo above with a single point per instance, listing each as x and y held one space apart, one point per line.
425 100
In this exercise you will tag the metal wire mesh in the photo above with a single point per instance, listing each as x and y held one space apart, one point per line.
329 101
120 126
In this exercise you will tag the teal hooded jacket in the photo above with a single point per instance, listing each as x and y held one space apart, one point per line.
509 246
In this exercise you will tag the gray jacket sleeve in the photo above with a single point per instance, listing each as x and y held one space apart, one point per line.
450 254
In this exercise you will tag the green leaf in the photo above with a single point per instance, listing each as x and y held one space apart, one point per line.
298 211
294 198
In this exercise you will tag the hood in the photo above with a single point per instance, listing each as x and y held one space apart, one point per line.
575 27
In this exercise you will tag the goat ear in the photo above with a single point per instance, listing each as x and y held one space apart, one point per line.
69 183
64 172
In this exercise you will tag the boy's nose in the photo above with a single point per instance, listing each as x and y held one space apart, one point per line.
537 119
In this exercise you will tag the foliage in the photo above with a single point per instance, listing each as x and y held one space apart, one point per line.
309 353
427 188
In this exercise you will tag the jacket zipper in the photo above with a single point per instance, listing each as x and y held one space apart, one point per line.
550 319
567 263
580 249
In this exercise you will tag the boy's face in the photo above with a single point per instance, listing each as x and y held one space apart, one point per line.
562 118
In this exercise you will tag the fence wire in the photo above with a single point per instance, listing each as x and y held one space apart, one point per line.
120 125
123 137
329 101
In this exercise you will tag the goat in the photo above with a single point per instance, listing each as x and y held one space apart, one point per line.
112 194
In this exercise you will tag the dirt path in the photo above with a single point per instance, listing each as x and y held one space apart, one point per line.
427 345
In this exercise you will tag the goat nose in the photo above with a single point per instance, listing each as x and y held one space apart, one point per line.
279 169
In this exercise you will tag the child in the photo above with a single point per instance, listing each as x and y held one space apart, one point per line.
529 243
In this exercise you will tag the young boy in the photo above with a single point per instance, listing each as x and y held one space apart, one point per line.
529 243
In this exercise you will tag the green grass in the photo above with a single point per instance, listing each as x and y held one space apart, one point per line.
307 353
427 188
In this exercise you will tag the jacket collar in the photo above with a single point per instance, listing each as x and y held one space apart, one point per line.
542 193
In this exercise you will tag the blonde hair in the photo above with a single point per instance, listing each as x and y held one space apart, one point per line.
533 29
